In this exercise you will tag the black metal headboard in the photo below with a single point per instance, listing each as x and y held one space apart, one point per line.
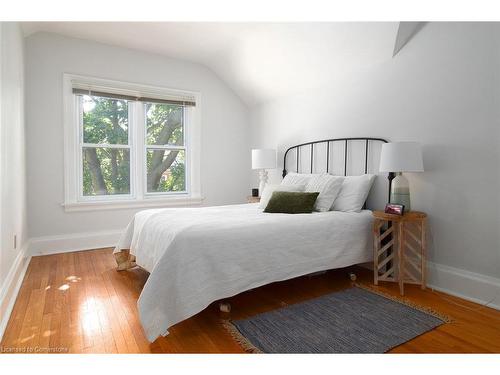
330 143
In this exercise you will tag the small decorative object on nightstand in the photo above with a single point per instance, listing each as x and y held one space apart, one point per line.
251 199
399 248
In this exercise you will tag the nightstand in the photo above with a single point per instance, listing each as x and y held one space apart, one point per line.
399 248
251 199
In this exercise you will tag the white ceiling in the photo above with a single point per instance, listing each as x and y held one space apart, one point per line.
259 61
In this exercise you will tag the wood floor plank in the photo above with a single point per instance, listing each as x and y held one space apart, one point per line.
44 336
11 336
33 319
79 302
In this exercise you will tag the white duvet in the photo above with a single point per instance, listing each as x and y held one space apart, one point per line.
196 256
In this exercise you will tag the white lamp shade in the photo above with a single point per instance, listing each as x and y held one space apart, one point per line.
263 159
401 157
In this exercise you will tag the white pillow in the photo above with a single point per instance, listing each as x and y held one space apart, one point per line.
328 187
270 189
353 193
298 178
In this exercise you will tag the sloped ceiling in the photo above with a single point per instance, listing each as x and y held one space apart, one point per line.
259 61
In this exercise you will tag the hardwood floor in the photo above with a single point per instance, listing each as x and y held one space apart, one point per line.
77 302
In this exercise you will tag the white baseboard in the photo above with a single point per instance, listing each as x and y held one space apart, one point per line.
456 282
73 242
468 285
11 286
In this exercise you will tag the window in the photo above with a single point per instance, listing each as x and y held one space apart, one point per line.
129 145
165 148
105 146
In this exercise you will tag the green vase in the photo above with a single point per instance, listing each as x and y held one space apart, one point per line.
400 191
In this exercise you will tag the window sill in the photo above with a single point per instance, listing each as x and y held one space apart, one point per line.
171 201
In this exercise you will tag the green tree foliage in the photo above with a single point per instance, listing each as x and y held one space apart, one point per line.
165 168
107 170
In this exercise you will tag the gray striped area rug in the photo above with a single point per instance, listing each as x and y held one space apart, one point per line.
354 320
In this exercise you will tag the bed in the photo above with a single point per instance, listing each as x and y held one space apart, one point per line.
196 256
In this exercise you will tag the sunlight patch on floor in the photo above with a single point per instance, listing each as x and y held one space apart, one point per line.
90 323
48 333
63 287
27 338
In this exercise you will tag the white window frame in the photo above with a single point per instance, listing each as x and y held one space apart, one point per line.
74 200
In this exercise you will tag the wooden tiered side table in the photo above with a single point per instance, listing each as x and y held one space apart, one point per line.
399 251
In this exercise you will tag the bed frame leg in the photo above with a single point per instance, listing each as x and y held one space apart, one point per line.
225 307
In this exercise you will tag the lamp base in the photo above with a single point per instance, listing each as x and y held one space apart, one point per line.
400 191
263 180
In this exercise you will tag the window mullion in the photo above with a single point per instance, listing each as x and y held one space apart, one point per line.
140 155
80 146
132 152
187 149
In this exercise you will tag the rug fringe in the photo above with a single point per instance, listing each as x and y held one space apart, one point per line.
245 344
404 301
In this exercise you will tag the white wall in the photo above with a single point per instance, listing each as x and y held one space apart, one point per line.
224 121
12 162
442 90
13 196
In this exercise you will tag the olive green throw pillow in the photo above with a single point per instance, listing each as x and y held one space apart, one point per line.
287 202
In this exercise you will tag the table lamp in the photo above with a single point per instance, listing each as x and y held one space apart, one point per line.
399 157
263 159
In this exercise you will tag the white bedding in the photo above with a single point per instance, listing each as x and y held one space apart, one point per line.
199 255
